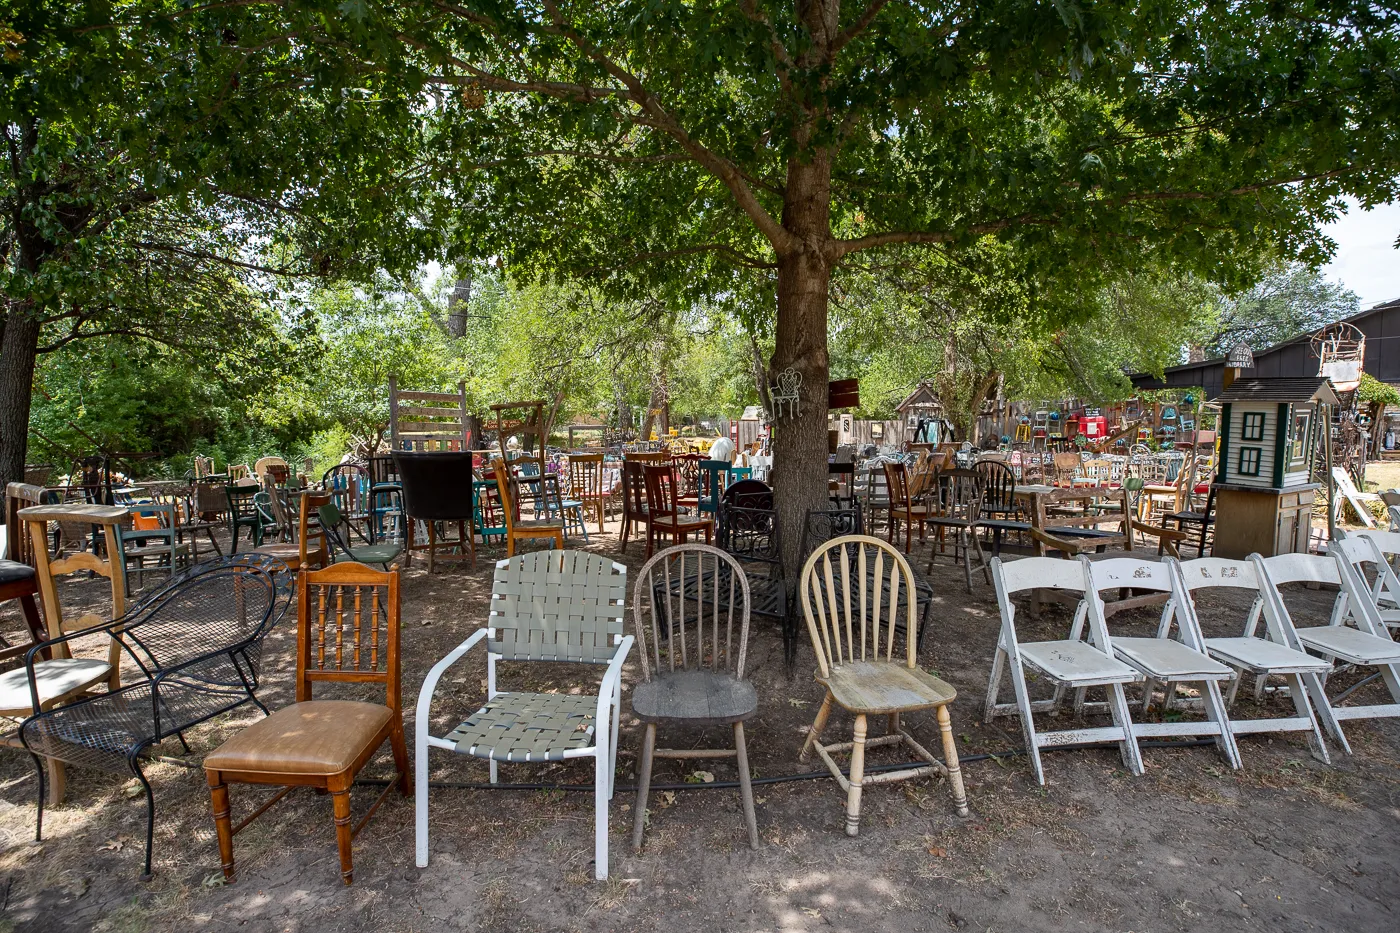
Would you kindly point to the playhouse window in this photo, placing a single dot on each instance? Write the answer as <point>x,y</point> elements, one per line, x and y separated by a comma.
<point>1249,461</point>
<point>1300,437</point>
<point>1253,426</point>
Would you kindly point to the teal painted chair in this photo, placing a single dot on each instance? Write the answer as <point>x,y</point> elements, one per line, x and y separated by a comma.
<point>336,528</point>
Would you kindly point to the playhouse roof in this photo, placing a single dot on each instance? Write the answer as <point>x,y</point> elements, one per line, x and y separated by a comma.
<point>1286,389</point>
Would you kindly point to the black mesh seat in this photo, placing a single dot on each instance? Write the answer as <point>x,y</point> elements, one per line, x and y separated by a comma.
<point>198,643</point>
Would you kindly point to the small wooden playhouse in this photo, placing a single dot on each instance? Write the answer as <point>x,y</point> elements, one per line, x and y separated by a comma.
<point>1269,430</point>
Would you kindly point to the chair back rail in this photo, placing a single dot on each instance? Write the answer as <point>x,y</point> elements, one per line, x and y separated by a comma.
<point>349,630</point>
<point>858,620</point>
<point>696,599</point>
<point>559,605</point>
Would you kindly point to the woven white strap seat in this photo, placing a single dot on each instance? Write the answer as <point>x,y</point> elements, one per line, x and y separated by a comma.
<point>528,727</point>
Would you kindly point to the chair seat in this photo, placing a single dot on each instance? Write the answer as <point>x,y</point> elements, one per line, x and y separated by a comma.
<point>1167,659</point>
<point>155,550</point>
<point>1191,518</point>
<point>1074,662</point>
<point>377,553</point>
<point>886,687</point>
<point>285,552</point>
<point>1259,655</point>
<point>1000,524</point>
<point>57,678</point>
<point>680,523</point>
<point>12,571</point>
<point>699,697</point>
<point>538,526</point>
<point>312,737</point>
<point>1349,644</point>
<point>528,727</point>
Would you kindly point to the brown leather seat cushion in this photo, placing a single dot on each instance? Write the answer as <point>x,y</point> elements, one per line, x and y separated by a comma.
<point>314,737</point>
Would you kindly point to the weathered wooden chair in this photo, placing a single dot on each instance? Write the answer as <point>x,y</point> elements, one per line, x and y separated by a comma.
<point>347,632</point>
<point>634,499</point>
<point>1261,656</point>
<point>1163,659</point>
<point>586,485</point>
<point>154,535</point>
<point>962,515</point>
<point>516,529</point>
<point>690,605</point>
<point>545,606</point>
<point>1071,663</point>
<point>854,640</point>
<point>665,517</point>
<point>309,551</point>
<point>904,505</point>
<point>1363,643</point>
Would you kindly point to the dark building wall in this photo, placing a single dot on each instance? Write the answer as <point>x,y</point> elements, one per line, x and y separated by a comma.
<point>1295,358</point>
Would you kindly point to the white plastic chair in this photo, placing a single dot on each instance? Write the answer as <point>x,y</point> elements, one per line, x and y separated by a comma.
<point>1260,655</point>
<point>1363,644</point>
<point>545,606</point>
<point>1163,658</point>
<point>1068,663</point>
<point>1385,591</point>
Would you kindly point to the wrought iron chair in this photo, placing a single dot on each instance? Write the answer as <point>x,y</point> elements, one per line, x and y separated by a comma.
<point>750,536</point>
<point>197,641</point>
<point>243,512</point>
<point>690,606</point>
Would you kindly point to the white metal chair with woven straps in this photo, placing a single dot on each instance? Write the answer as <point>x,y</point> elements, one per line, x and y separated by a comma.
<point>850,597</point>
<point>545,606</point>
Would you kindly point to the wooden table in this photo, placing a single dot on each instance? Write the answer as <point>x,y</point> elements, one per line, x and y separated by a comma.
<point>1039,499</point>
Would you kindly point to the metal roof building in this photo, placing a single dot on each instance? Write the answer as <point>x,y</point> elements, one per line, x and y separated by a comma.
<point>1295,358</point>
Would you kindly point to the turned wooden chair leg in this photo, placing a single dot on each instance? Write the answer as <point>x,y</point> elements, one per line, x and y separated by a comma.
<point>643,786</point>
<point>745,784</point>
<point>857,776</point>
<point>223,822</point>
<point>815,733</point>
<point>950,759</point>
<point>344,834</point>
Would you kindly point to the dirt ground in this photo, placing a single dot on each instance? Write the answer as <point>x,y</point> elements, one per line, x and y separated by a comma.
<point>1284,843</point>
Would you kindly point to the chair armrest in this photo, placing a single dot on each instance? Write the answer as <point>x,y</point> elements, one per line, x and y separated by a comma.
<point>425,694</point>
<point>612,680</point>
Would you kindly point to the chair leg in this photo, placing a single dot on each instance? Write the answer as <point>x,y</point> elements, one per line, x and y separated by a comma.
<point>815,733</point>
<point>223,821</point>
<point>340,803</point>
<point>150,817</point>
<point>643,786</point>
<point>857,776</point>
<point>745,784</point>
<point>400,749</point>
<point>600,812</point>
<point>432,545</point>
<point>950,760</point>
<point>408,524</point>
<point>966,557</point>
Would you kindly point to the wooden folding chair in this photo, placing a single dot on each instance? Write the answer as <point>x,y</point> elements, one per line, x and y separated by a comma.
<point>1067,663</point>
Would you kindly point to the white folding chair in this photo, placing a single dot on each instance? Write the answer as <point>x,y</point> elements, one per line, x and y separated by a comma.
<point>1182,659</point>
<point>1385,591</point>
<point>545,606</point>
<point>1260,655</point>
<point>1394,512</point>
<point>1363,644</point>
<point>1069,663</point>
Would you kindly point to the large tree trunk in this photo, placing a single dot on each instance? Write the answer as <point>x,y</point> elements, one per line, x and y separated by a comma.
<point>18,351</point>
<point>804,277</point>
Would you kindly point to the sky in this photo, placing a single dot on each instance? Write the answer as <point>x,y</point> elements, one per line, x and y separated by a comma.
<point>1366,260</point>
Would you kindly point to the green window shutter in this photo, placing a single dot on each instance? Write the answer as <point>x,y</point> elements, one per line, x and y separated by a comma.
<point>1281,443</point>
<point>1224,435</point>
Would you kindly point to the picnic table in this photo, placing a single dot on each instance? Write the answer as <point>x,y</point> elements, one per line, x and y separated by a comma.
<point>1075,533</point>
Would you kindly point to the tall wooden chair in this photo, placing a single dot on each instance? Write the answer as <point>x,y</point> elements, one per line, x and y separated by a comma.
<point>347,632</point>
<point>962,515</point>
<point>428,420</point>
<point>664,516</point>
<point>586,485</point>
<point>308,551</point>
<point>902,507</point>
<point>854,627</point>
<point>690,605</point>
<point>515,528</point>
<point>634,499</point>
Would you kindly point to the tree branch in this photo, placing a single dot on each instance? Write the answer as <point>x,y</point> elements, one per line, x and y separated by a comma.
<point>861,24</point>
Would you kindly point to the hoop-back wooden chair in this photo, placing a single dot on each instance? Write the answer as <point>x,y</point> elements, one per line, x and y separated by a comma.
<point>348,633</point>
<point>690,605</point>
<point>854,626</point>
